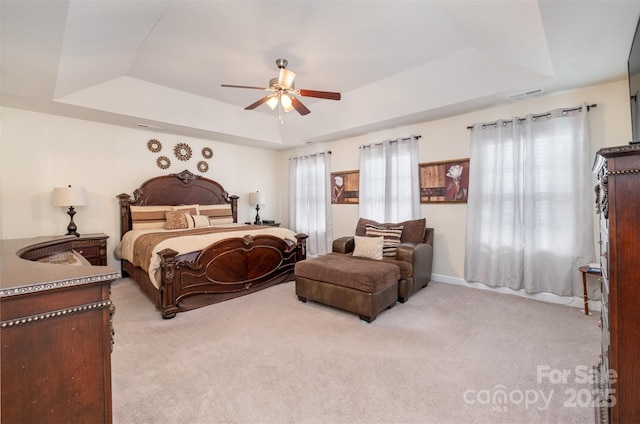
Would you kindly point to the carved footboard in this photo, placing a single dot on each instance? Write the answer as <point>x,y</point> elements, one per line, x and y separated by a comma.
<point>227,269</point>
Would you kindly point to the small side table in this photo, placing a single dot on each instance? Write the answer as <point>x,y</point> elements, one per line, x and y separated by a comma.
<point>586,270</point>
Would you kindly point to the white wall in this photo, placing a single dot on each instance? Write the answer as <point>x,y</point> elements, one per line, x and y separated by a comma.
<point>40,151</point>
<point>448,139</point>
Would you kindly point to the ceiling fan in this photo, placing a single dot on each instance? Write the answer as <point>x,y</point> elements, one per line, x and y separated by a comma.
<point>284,92</point>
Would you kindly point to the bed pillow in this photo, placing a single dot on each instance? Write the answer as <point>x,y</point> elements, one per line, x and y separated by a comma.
<point>190,209</point>
<point>197,221</point>
<point>368,247</point>
<point>176,220</point>
<point>391,236</point>
<point>148,217</point>
<point>218,214</point>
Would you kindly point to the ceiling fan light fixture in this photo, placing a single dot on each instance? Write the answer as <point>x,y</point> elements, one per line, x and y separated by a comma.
<point>272,102</point>
<point>284,93</point>
<point>286,102</point>
<point>286,77</point>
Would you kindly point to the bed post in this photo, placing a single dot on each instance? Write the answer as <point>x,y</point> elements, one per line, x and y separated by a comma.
<point>234,207</point>
<point>125,213</point>
<point>168,308</point>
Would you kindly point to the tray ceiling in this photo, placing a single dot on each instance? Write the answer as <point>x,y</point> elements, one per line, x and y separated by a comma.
<point>161,63</point>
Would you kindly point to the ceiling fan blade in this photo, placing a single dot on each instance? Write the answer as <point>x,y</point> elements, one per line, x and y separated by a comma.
<point>320,94</point>
<point>297,105</point>
<point>258,103</point>
<point>244,86</point>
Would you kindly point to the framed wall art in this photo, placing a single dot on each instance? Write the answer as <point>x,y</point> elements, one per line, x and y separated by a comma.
<point>444,182</point>
<point>345,187</point>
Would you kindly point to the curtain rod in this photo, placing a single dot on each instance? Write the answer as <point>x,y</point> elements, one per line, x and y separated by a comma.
<point>393,141</point>
<point>311,155</point>
<point>470,127</point>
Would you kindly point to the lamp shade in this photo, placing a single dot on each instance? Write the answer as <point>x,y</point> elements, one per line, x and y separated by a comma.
<point>69,196</point>
<point>287,103</point>
<point>272,102</point>
<point>285,78</point>
<point>257,198</point>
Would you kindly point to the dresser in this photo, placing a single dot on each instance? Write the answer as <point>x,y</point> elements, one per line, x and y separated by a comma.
<point>618,206</point>
<point>93,247</point>
<point>55,332</point>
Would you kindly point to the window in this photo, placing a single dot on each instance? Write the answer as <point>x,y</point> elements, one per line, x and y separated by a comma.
<point>389,180</point>
<point>529,214</point>
<point>310,200</point>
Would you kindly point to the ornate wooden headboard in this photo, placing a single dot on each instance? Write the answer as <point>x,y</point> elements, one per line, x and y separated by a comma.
<point>184,188</point>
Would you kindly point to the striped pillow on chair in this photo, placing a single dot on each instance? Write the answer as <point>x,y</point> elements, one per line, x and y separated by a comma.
<point>391,236</point>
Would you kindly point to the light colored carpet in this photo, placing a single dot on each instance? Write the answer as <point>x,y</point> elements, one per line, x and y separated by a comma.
<point>445,356</point>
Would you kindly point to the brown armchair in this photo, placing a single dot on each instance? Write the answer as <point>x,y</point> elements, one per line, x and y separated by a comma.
<point>414,254</point>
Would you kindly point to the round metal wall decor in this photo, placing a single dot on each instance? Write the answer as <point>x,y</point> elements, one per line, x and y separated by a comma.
<point>163,162</point>
<point>154,145</point>
<point>182,151</point>
<point>207,153</point>
<point>203,166</point>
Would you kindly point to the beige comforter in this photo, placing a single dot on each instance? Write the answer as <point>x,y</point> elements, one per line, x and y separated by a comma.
<point>134,249</point>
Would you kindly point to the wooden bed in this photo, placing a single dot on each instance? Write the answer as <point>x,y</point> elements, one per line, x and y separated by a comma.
<point>226,269</point>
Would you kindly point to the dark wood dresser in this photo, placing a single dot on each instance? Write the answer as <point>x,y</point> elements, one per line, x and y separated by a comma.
<point>618,205</point>
<point>93,247</point>
<point>55,333</point>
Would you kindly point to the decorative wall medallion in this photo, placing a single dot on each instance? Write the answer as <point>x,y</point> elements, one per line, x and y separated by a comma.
<point>203,166</point>
<point>207,153</point>
<point>182,151</point>
<point>163,162</point>
<point>154,145</point>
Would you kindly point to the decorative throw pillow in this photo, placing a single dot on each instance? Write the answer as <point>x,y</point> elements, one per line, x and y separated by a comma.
<point>368,247</point>
<point>197,221</point>
<point>176,220</point>
<point>391,236</point>
<point>413,229</point>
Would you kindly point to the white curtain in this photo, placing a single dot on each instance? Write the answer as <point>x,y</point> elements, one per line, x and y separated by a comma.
<point>389,180</point>
<point>310,200</point>
<point>530,207</point>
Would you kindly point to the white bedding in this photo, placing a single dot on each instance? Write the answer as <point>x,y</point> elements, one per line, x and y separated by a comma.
<point>189,244</point>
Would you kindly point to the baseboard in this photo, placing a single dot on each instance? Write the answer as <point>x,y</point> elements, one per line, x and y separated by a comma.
<point>574,301</point>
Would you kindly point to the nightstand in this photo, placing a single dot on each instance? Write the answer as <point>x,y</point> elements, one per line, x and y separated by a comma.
<point>93,247</point>
<point>270,224</point>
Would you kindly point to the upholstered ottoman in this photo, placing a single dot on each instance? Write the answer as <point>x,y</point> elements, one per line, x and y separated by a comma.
<point>364,287</point>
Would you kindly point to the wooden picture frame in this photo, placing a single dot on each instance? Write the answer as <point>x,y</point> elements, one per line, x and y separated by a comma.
<point>444,182</point>
<point>345,188</point>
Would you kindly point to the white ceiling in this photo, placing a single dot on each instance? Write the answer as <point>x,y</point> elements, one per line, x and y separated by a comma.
<point>161,63</point>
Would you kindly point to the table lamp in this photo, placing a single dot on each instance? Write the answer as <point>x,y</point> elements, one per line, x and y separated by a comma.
<point>257,199</point>
<point>70,197</point>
